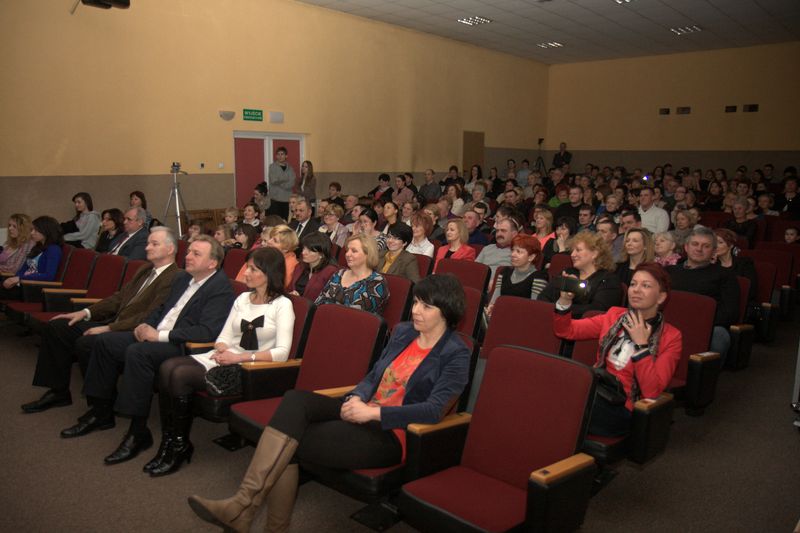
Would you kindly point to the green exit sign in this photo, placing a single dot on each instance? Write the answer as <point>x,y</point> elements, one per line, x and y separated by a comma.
<point>253,114</point>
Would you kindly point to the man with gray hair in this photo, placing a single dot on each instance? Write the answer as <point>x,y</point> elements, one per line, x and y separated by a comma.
<point>70,336</point>
<point>134,242</point>
<point>699,275</point>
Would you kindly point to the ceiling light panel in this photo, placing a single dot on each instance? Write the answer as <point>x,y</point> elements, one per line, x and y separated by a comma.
<point>474,21</point>
<point>685,30</point>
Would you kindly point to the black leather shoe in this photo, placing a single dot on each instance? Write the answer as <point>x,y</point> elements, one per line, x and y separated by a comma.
<point>130,447</point>
<point>87,425</point>
<point>50,399</point>
<point>178,451</point>
<point>166,442</point>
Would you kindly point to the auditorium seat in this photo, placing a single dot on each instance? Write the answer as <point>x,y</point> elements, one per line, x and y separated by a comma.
<point>398,306</point>
<point>341,345</point>
<point>425,264</point>
<point>180,254</point>
<point>234,261</point>
<point>520,468</point>
<point>784,266</point>
<point>470,273</point>
<point>559,263</point>
<point>742,334</point>
<point>473,312</point>
<point>766,312</point>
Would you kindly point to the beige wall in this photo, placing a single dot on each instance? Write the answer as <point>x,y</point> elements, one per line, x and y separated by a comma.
<point>613,105</point>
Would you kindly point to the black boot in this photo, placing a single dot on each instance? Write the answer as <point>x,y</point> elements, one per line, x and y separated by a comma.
<point>180,448</point>
<point>165,409</point>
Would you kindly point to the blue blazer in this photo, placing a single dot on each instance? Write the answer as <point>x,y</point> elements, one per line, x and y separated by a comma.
<point>203,316</point>
<point>433,386</point>
<point>135,247</point>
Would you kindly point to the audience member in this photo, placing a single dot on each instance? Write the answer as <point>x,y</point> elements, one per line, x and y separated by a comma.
<point>395,259</point>
<point>653,217</point>
<point>638,248</point>
<point>284,239</point>
<point>281,179</point>
<point>472,221</point>
<point>402,193</point>
<point>306,184</point>
<point>18,244</point>
<point>665,248</point>
<point>315,268</point>
<point>112,225</point>
<point>70,336</point>
<point>421,227</point>
<point>138,199</point>
<point>740,224</point>
<point>609,230</point>
<point>456,248</point>
<point>524,278</point>
<point>303,224</point>
<point>566,227</point>
<point>83,229</point>
<point>499,254</point>
<point>335,231</point>
<point>41,263</point>
<point>132,244</point>
<point>430,191</point>
<point>383,190</point>
<point>727,256</point>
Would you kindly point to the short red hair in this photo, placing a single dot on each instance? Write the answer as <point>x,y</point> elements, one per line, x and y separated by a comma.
<point>530,244</point>
<point>659,274</point>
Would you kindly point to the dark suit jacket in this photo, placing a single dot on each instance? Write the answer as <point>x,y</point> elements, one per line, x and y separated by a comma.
<point>432,388</point>
<point>312,224</point>
<point>405,266</point>
<point>135,247</point>
<point>203,316</point>
<point>120,316</point>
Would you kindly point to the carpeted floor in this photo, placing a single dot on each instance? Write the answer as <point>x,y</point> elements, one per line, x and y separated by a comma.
<point>735,469</point>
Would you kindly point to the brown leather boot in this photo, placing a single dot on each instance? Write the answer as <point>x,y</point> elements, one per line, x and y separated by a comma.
<point>273,453</point>
<point>280,501</point>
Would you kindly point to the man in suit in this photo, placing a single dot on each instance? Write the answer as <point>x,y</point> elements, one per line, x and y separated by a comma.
<point>195,310</point>
<point>303,224</point>
<point>133,244</point>
<point>71,336</point>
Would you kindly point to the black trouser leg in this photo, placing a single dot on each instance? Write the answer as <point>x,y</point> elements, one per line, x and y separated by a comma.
<point>142,361</point>
<point>325,439</point>
<point>276,207</point>
<point>106,363</point>
<point>56,353</point>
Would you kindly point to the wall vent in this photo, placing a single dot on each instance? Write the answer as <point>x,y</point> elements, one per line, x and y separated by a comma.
<point>663,111</point>
<point>683,110</point>
<point>750,108</point>
<point>730,108</point>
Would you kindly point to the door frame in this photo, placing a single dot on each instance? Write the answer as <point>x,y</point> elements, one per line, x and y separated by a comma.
<point>267,137</point>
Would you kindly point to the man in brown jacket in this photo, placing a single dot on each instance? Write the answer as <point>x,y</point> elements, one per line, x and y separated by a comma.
<point>71,335</point>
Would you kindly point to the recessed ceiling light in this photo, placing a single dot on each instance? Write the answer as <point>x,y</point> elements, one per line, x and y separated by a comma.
<point>622,2</point>
<point>474,21</point>
<point>551,44</point>
<point>686,29</point>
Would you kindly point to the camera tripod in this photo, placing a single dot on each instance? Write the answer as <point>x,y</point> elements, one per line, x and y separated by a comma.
<point>175,195</point>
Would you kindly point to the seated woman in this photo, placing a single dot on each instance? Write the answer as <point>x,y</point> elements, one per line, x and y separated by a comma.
<point>42,261</point>
<point>638,349</point>
<point>395,260</point>
<point>727,257</point>
<point>284,239</point>
<point>593,265</point>
<point>358,285</point>
<point>137,199</point>
<point>367,222</point>
<point>684,222</point>
<point>457,237</point>
<point>82,230</point>
<point>566,227</point>
<point>194,230</point>
<point>246,237</point>
<point>665,249</point>
<point>315,268</point>
<point>251,214</point>
<point>421,228</point>
<point>113,230</point>
<point>18,244</point>
<point>391,215</point>
<point>337,233</point>
<point>259,328</point>
<point>421,372</point>
<point>524,277</point>
<point>741,225</point>
<point>637,248</point>
<point>543,226</point>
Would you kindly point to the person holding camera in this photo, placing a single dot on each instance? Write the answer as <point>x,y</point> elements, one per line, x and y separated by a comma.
<point>638,351</point>
<point>592,278</point>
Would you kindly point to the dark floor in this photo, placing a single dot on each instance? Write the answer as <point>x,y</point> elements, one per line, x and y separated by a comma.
<point>735,469</point>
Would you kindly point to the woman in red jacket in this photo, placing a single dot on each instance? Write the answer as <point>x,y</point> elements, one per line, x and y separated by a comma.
<point>457,237</point>
<point>638,352</point>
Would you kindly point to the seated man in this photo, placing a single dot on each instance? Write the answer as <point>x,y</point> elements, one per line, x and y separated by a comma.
<point>133,244</point>
<point>195,310</point>
<point>473,222</point>
<point>699,275</point>
<point>71,336</point>
<point>499,254</point>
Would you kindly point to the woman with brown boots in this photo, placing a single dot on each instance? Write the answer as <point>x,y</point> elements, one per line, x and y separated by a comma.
<point>421,371</point>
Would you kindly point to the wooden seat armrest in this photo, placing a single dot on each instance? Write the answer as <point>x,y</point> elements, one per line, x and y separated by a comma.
<point>65,291</point>
<point>648,404</point>
<point>198,345</point>
<point>561,469</point>
<point>335,392</point>
<point>87,301</point>
<point>702,357</point>
<point>742,327</point>
<point>260,365</point>
<point>456,419</point>
<point>34,283</point>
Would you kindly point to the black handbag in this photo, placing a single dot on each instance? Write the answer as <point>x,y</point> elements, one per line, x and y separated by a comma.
<point>224,380</point>
<point>609,388</point>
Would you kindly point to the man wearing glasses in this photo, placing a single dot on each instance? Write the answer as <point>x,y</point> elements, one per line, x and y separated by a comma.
<point>133,244</point>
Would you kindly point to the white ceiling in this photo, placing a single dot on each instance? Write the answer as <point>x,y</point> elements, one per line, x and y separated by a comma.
<point>589,29</point>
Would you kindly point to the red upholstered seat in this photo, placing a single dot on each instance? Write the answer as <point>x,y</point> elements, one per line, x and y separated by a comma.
<point>489,490</point>
<point>473,311</point>
<point>558,264</point>
<point>131,268</point>
<point>180,255</point>
<point>521,322</point>
<point>398,306</point>
<point>470,273</point>
<point>233,262</point>
<point>424,263</point>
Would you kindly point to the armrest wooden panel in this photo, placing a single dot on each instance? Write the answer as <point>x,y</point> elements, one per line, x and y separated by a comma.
<point>258,365</point>
<point>86,301</point>
<point>34,283</point>
<point>648,404</point>
<point>561,469</point>
<point>704,356</point>
<point>336,392</point>
<point>198,345</point>
<point>742,327</point>
<point>456,419</point>
<point>65,291</point>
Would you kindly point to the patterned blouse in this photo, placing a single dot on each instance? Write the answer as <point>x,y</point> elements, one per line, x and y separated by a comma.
<point>392,388</point>
<point>369,294</point>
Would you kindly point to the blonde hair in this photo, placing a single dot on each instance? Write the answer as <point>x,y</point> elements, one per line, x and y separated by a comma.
<point>595,243</point>
<point>232,211</point>
<point>24,227</point>
<point>334,209</point>
<point>649,245</point>
<point>463,233</point>
<point>286,236</point>
<point>370,247</point>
